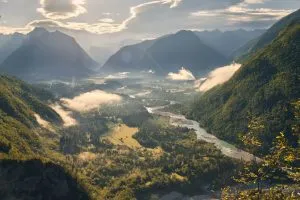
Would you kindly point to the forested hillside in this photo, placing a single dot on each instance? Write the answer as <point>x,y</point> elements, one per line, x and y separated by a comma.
<point>265,87</point>
<point>18,104</point>
<point>21,140</point>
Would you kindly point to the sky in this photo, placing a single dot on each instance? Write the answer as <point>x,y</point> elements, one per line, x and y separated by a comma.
<point>105,22</point>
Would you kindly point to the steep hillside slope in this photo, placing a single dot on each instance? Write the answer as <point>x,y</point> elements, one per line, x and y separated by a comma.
<point>37,180</point>
<point>18,104</point>
<point>264,87</point>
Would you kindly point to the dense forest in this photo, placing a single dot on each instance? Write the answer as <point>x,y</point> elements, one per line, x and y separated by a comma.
<point>266,86</point>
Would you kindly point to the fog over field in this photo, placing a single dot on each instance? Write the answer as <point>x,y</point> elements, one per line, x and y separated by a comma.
<point>90,100</point>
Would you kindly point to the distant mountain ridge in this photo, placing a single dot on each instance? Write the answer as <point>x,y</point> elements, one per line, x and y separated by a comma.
<point>9,43</point>
<point>227,42</point>
<point>167,54</point>
<point>265,39</point>
<point>48,55</point>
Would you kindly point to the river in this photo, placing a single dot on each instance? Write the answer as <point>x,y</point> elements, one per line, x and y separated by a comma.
<point>181,121</point>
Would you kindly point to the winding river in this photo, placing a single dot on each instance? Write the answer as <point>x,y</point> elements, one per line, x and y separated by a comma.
<point>181,121</point>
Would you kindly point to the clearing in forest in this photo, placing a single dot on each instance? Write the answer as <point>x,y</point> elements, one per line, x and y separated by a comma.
<point>122,135</point>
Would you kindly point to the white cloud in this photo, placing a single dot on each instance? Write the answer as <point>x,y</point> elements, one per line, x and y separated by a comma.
<point>62,9</point>
<point>217,77</point>
<point>43,123</point>
<point>107,20</point>
<point>90,100</point>
<point>182,75</point>
<point>241,12</point>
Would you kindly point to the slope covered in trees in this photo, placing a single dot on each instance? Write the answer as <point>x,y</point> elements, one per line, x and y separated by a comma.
<point>18,104</point>
<point>264,87</point>
<point>47,176</point>
<point>38,180</point>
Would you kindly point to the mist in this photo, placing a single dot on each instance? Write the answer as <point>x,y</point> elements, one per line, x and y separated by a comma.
<point>182,75</point>
<point>90,100</point>
<point>217,77</point>
<point>43,123</point>
<point>65,115</point>
<point>120,75</point>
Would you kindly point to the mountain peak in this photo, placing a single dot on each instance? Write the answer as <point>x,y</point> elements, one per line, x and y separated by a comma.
<point>39,30</point>
<point>46,55</point>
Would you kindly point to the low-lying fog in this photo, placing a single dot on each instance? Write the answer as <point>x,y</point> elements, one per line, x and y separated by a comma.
<point>90,100</point>
<point>65,115</point>
<point>217,77</point>
<point>182,75</point>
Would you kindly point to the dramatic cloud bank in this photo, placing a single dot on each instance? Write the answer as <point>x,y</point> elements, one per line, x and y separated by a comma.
<point>65,115</point>
<point>182,75</point>
<point>91,100</point>
<point>217,77</point>
<point>134,16</point>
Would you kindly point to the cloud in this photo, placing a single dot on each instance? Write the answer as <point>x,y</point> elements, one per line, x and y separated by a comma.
<point>241,13</point>
<point>65,115</point>
<point>136,18</point>
<point>43,123</point>
<point>182,75</point>
<point>56,11</point>
<point>217,77</point>
<point>120,75</point>
<point>106,20</point>
<point>61,9</point>
<point>90,100</point>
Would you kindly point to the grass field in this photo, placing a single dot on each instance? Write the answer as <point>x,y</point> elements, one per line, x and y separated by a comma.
<point>122,135</point>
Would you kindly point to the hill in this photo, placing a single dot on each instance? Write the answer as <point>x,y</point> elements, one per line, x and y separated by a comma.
<point>264,87</point>
<point>167,54</point>
<point>37,180</point>
<point>48,55</point>
<point>21,141</point>
<point>19,102</point>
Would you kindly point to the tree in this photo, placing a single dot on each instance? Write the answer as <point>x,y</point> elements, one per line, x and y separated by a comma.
<point>280,164</point>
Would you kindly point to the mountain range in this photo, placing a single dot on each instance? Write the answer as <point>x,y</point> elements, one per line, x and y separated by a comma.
<point>46,55</point>
<point>167,54</point>
<point>199,52</point>
<point>228,42</point>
